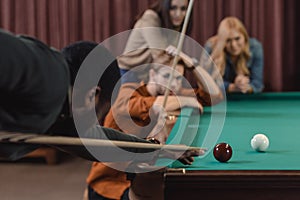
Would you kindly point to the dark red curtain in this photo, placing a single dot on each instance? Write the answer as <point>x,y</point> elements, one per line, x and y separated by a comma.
<point>60,22</point>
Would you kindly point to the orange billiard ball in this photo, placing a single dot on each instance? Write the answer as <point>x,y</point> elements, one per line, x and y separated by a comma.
<point>222,152</point>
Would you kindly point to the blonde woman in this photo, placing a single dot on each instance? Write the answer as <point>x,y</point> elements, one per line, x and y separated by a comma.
<point>238,58</point>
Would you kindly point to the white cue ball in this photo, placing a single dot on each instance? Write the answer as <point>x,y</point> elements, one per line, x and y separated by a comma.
<point>260,142</point>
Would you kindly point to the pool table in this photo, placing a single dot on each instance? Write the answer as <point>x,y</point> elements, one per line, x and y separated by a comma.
<point>274,174</point>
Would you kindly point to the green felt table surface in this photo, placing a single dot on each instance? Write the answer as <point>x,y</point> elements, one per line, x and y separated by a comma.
<point>277,115</point>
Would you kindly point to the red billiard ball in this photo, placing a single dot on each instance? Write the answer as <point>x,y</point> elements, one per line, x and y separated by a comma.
<point>222,152</point>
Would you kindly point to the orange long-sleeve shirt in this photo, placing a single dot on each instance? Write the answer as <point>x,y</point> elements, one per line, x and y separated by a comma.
<point>129,114</point>
<point>104,180</point>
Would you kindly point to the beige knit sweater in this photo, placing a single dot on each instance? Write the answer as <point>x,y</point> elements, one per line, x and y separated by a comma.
<point>147,42</point>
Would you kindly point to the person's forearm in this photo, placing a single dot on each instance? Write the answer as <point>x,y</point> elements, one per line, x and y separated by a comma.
<point>113,154</point>
<point>99,132</point>
<point>206,81</point>
<point>202,77</point>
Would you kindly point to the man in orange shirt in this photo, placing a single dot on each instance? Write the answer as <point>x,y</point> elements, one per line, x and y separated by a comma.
<point>132,111</point>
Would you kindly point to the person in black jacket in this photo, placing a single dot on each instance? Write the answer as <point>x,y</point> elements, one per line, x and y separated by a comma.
<point>34,84</point>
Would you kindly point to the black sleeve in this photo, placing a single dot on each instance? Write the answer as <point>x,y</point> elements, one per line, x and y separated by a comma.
<point>111,154</point>
<point>34,81</point>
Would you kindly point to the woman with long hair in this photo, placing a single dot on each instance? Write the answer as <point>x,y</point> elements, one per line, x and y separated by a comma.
<point>153,31</point>
<point>239,59</point>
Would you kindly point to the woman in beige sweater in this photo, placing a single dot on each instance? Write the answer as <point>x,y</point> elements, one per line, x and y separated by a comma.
<point>154,30</point>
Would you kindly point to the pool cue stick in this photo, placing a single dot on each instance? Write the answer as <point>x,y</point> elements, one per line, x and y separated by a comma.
<point>178,50</point>
<point>175,61</point>
<point>30,138</point>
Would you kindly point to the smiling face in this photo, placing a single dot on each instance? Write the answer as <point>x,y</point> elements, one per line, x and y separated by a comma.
<point>178,11</point>
<point>235,43</point>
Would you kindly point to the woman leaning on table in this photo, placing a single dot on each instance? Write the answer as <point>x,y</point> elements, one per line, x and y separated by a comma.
<point>239,58</point>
